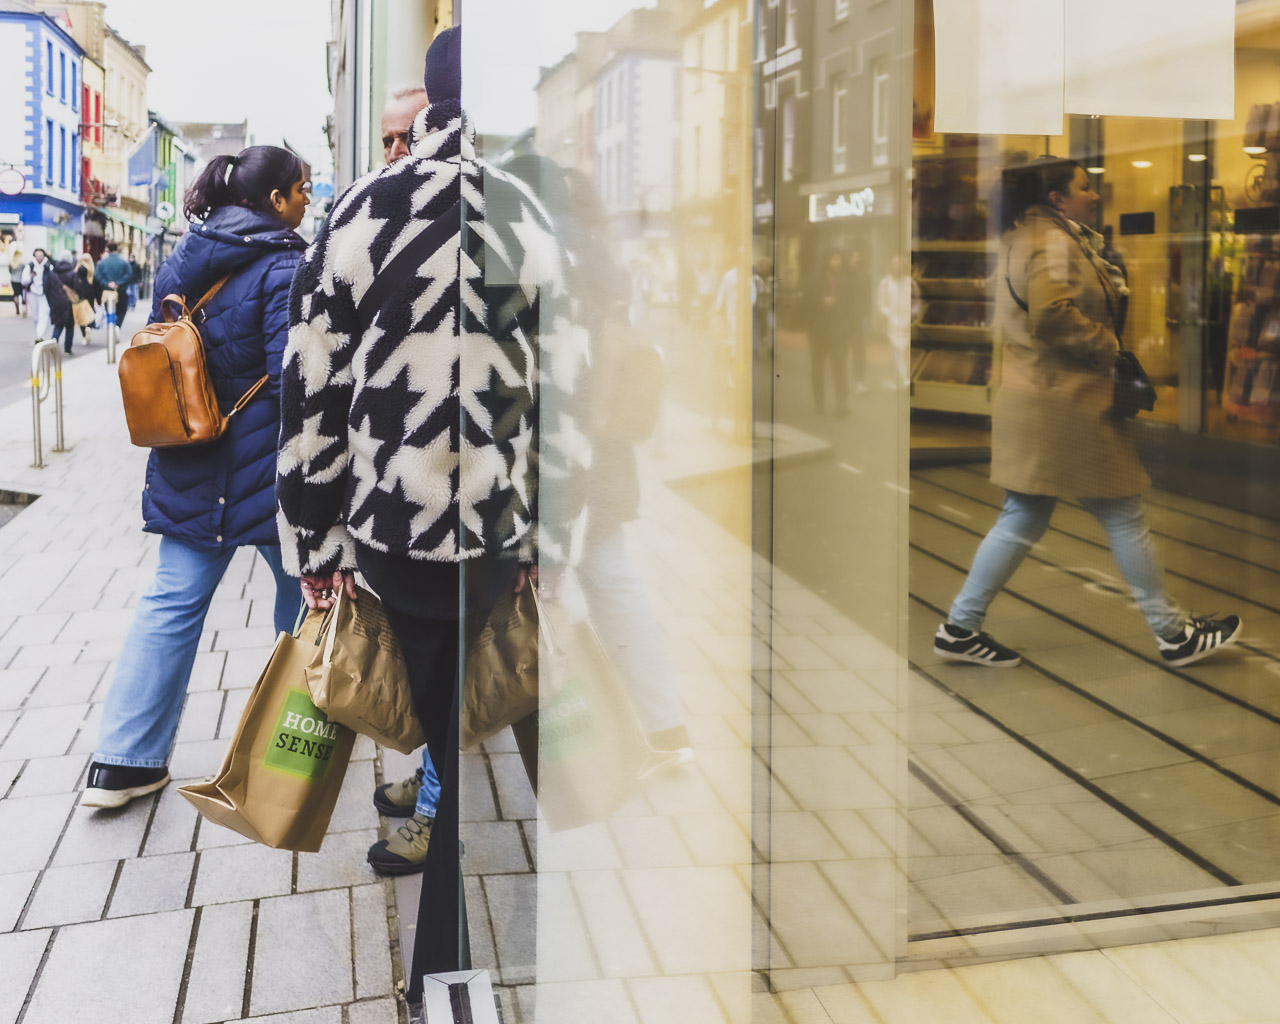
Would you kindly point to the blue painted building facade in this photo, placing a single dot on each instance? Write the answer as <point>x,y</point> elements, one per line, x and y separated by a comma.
<point>40,96</point>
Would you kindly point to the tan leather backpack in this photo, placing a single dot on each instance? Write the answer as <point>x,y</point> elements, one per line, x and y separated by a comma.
<point>168,397</point>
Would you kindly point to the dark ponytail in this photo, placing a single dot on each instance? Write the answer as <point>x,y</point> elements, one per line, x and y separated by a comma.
<point>1030,185</point>
<point>244,180</point>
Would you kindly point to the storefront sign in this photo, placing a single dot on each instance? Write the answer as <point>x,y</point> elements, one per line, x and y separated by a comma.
<point>782,61</point>
<point>12,181</point>
<point>839,205</point>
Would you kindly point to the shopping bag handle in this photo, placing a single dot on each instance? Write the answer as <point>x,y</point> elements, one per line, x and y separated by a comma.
<point>544,627</point>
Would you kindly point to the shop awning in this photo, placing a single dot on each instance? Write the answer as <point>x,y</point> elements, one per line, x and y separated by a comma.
<point>128,221</point>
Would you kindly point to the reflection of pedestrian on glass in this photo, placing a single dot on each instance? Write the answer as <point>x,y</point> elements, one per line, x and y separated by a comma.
<point>1054,432</point>
<point>829,309</point>
<point>898,301</point>
<point>859,314</point>
<point>617,407</point>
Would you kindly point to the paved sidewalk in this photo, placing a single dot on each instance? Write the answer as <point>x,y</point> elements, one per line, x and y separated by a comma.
<point>148,914</point>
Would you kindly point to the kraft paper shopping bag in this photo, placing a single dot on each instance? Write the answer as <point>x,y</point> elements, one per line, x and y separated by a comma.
<point>357,676</point>
<point>592,753</point>
<point>500,680</point>
<point>283,771</point>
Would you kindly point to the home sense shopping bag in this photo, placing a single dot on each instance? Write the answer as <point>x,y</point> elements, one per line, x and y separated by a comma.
<point>281,776</point>
<point>357,675</point>
<point>592,753</point>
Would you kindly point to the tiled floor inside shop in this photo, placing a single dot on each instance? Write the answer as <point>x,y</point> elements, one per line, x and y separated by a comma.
<point>1092,775</point>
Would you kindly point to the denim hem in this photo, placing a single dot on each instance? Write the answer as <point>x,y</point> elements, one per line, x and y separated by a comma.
<point>129,762</point>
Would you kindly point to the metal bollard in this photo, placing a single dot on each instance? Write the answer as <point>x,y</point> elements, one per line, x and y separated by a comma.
<point>113,329</point>
<point>46,376</point>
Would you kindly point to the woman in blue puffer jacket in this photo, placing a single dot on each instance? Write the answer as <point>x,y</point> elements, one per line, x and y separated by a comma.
<point>208,500</point>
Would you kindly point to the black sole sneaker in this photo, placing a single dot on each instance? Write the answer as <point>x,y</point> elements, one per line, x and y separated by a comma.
<point>113,785</point>
<point>956,644</point>
<point>398,799</point>
<point>1200,638</point>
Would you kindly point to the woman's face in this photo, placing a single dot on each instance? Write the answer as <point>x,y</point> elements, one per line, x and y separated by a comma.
<point>293,207</point>
<point>1079,200</point>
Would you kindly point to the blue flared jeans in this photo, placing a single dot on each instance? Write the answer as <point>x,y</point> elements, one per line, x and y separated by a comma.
<point>1022,523</point>
<point>140,719</point>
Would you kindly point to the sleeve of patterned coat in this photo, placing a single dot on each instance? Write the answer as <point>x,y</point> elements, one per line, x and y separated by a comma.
<point>315,399</point>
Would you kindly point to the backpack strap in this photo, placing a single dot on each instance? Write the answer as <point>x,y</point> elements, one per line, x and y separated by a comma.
<point>406,262</point>
<point>244,399</point>
<point>209,295</point>
<point>177,300</point>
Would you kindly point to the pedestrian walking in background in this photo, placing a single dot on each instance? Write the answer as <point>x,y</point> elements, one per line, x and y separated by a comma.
<point>92,296</point>
<point>16,266</point>
<point>859,317</point>
<point>206,501</point>
<point>78,293</point>
<point>830,311</point>
<point>898,301</point>
<point>1054,433</point>
<point>412,446</point>
<point>114,274</point>
<point>134,288</point>
<point>44,293</point>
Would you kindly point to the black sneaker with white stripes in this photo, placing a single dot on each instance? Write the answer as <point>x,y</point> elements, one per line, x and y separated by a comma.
<point>956,644</point>
<point>1199,638</point>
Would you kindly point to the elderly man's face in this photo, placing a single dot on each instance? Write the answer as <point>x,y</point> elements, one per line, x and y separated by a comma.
<point>397,116</point>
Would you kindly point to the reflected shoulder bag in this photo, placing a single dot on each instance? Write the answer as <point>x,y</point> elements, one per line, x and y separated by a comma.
<point>1131,389</point>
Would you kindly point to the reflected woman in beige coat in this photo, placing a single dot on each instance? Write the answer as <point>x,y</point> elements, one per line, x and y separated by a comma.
<point>1059,317</point>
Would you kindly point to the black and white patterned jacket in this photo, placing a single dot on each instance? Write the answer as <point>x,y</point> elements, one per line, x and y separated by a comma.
<point>436,431</point>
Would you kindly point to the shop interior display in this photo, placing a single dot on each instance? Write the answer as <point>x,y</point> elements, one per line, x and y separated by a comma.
<point>954,264</point>
<point>1248,375</point>
<point>1251,389</point>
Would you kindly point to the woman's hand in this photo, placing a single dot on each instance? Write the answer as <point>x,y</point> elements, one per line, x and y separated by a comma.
<point>319,591</point>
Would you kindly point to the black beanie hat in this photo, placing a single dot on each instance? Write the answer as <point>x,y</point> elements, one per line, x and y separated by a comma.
<point>443,76</point>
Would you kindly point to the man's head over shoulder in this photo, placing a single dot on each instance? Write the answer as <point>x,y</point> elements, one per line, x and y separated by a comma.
<point>402,107</point>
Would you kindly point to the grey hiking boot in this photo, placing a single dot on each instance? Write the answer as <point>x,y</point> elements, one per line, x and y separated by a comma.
<point>398,799</point>
<point>405,852</point>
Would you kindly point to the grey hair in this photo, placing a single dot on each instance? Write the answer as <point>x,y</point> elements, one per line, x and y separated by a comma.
<point>408,89</point>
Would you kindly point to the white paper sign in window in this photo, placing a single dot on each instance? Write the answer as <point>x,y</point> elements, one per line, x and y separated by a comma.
<point>1151,58</point>
<point>999,66</point>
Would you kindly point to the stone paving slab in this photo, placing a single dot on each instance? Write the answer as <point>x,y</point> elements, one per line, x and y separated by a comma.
<point>145,913</point>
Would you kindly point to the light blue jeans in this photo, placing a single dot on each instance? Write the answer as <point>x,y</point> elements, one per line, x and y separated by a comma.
<point>429,793</point>
<point>1022,523</point>
<point>140,719</point>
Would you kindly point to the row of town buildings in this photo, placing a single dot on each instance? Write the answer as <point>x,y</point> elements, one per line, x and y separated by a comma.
<point>698,117</point>
<point>83,161</point>
<point>711,128</point>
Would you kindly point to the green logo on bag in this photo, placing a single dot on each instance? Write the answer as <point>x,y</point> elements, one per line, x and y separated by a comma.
<point>565,724</point>
<point>303,740</point>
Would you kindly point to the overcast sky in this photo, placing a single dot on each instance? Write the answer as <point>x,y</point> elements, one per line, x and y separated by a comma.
<point>265,60</point>
<point>515,37</point>
<point>225,61</point>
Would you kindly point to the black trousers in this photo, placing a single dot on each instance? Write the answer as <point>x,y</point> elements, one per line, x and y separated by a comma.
<point>423,604</point>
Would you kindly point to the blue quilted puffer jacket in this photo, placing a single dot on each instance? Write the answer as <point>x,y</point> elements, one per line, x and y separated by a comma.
<point>222,494</point>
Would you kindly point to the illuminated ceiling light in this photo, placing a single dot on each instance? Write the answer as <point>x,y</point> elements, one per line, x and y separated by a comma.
<point>1095,170</point>
<point>1255,150</point>
<point>1141,164</point>
<point>1197,158</point>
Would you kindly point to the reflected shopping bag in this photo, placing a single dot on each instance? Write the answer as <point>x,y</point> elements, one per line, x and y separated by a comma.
<point>592,753</point>
<point>281,776</point>
<point>357,676</point>
<point>500,683</point>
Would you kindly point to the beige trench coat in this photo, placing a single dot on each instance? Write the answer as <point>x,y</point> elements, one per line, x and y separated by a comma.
<point>1051,429</point>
